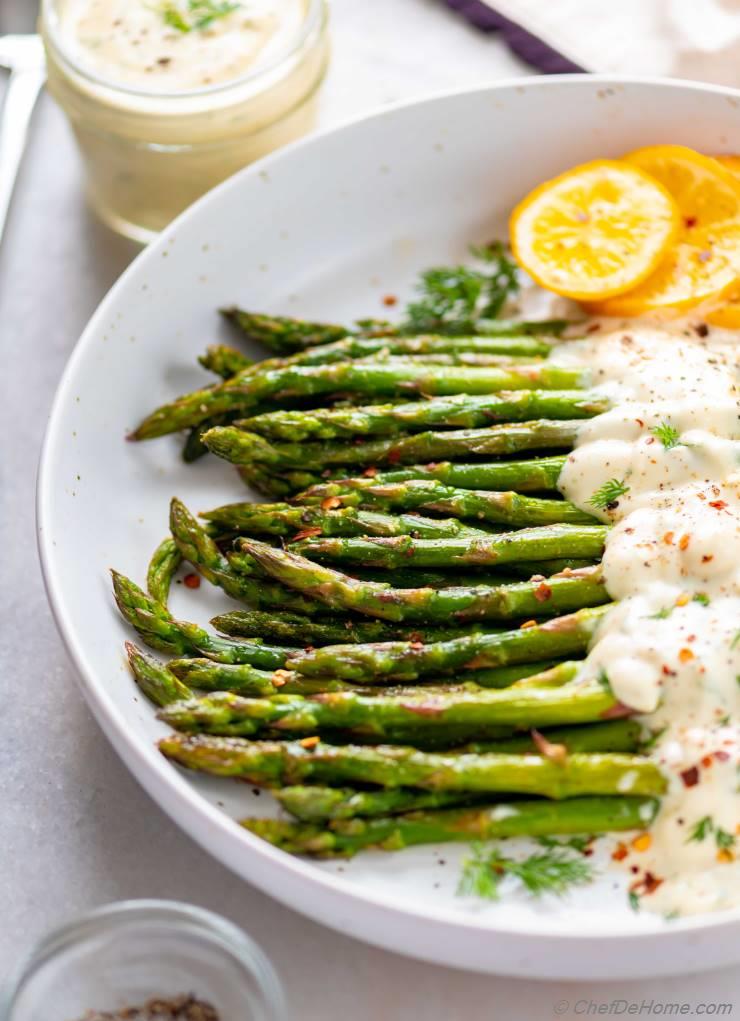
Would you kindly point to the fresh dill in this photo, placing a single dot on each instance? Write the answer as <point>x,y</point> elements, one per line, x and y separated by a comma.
<point>735,640</point>
<point>702,598</point>
<point>663,613</point>
<point>705,827</point>
<point>199,14</point>
<point>634,900</point>
<point>701,830</point>
<point>554,870</point>
<point>668,435</point>
<point>452,299</point>
<point>607,496</point>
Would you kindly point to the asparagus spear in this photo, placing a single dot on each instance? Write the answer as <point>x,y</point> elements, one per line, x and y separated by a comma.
<point>320,804</point>
<point>406,661</point>
<point>462,411</point>
<point>507,508</point>
<point>285,520</point>
<point>397,551</point>
<point>345,838</point>
<point>414,577</point>
<point>157,682</point>
<point>199,549</point>
<point>281,333</point>
<point>383,715</point>
<point>291,762</point>
<point>621,735</point>
<point>162,567</point>
<point>241,447</point>
<point>296,629</point>
<point>538,474</point>
<point>159,630</point>
<point>376,599</point>
<point>248,681</point>
<point>245,390</point>
<point>224,361</point>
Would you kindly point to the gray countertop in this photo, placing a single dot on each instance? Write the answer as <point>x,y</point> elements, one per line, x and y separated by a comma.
<point>76,829</point>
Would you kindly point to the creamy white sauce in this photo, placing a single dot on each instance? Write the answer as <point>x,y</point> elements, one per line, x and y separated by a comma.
<point>671,645</point>
<point>130,42</point>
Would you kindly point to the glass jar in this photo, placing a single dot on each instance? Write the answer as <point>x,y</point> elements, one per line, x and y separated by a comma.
<point>149,154</point>
<point>128,954</point>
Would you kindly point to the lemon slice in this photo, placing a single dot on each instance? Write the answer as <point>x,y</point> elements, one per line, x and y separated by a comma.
<point>704,261</point>
<point>595,231</point>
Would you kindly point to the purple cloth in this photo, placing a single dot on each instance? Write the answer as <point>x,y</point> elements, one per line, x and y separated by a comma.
<point>527,46</point>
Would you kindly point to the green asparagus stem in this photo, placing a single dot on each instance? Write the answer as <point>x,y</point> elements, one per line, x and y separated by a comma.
<point>156,681</point>
<point>159,630</point>
<point>622,735</point>
<point>285,763</point>
<point>285,520</point>
<point>345,838</point>
<point>241,447</point>
<point>383,715</point>
<point>461,412</point>
<point>248,681</point>
<point>281,333</point>
<point>224,361</point>
<point>162,567</point>
<point>375,599</point>
<point>199,549</point>
<point>245,390</point>
<point>321,804</point>
<point>407,661</point>
<point>296,629</point>
<point>512,509</point>
<point>397,551</point>
<point>539,474</point>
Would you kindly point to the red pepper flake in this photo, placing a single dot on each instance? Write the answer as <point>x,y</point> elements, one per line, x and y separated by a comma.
<point>707,761</point>
<point>620,852</point>
<point>416,645</point>
<point>642,842</point>
<point>690,776</point>
<point>685,655</point>
<point>280,677</point>
<point>668,538</point>
<point>689,221</point>
<point>306,533</point>
<point>554,752</point>
<point>309,742</point>
<point>192,580</point>
<point>527,624</point>
<point>394,456</point>
<point>725,856</point>
<point>370,472</point>
<point>640,423</point>
<point>331,503</point>
<point>721,756</point>
<point>707,558</point>
<point>650,882</point>
<point>683,542</point>
<point>593,328</point>
<point>390,300</point>
<point>718,504</point>
<point>543,592</point>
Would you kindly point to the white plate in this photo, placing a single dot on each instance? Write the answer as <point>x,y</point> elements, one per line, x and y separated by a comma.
<point>326,229</point>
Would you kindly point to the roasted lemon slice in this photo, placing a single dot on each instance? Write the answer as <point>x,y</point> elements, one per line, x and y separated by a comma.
<point>595,231</point>
<point>704,261</point>
<point>727,313</point>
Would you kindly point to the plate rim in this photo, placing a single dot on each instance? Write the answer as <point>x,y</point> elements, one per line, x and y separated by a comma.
<point>169,786</point>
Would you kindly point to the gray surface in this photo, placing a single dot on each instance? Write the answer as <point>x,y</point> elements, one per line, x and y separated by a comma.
<point>76,829</point>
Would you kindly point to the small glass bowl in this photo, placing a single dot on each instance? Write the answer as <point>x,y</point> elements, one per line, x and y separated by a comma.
<point>149,155</point>
<point>129,953</point>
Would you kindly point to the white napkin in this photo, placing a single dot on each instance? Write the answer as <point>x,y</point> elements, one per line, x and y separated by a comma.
<point>696,39</point>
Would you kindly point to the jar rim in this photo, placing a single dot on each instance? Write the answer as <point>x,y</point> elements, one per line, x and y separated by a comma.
<point>234,940</point>
<point>316,13</point>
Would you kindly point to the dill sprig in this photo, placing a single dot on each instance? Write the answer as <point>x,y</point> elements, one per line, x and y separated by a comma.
<point>198,15</point>
<point>452,299</point>
<point>668,435</point>
<point>707,826</point>
<point>607,496</point>
<point>554,870</point>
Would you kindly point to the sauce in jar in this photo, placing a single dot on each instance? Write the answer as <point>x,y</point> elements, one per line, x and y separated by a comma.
<point>169,97</point>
